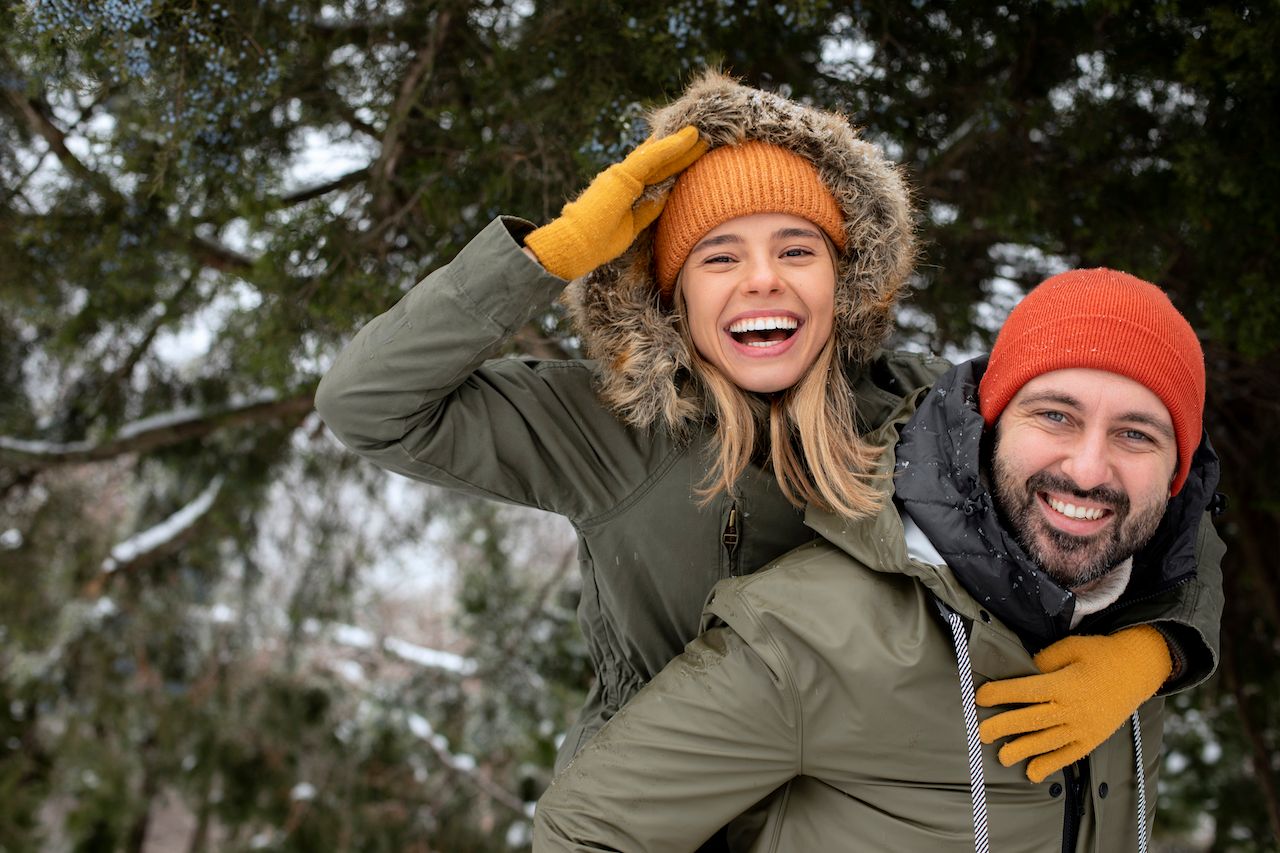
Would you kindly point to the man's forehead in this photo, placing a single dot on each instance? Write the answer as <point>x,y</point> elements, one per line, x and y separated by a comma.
<point>1097,392</point>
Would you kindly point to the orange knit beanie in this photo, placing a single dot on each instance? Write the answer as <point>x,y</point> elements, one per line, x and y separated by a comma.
<point>1104,320</point>
<point>739,180</point>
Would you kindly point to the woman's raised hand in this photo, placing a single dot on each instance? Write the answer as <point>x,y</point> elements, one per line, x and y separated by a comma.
<point>600,224</point>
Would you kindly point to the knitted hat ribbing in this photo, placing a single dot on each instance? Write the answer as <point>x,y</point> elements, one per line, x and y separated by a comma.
<point>1105,320</point>
<point>739,180</point>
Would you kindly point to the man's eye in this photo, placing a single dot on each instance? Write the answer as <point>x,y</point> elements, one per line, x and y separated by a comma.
<point>1136,435</point>
<point>1056,417</point>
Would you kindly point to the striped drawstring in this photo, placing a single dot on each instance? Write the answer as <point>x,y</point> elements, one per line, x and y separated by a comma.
<point>977,781</point>
<point>1141,779</point>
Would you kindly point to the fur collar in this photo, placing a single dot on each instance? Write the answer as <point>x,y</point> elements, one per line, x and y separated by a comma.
<point>643,364</point>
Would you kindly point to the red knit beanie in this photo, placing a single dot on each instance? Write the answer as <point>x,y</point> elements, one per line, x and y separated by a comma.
<point>1104,320</point>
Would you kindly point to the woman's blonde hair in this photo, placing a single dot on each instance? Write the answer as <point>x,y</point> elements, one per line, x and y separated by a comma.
<point>815,451</point>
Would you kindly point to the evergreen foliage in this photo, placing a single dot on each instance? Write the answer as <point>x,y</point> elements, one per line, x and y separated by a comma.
<point>174,280</point>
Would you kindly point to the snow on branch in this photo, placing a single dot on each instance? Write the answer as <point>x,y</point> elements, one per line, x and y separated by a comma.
<point>430,658</point>
<point>151,433</point>
<point>463,765</point>
<point>153,539</point>
<point>355,637</point>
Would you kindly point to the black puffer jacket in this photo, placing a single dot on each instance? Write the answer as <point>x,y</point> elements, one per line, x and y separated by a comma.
<point>1177,578</point>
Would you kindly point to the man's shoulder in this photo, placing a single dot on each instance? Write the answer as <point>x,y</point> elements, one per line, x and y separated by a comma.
<point>815,585</point>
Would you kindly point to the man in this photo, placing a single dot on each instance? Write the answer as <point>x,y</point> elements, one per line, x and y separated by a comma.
<point>1056,490</point>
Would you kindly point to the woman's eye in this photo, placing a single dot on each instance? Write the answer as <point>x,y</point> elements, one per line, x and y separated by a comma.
<point>718,259</point>
<point>798,252</point>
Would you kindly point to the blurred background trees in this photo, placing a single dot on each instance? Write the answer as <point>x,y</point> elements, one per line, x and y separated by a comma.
<point>219,631</point>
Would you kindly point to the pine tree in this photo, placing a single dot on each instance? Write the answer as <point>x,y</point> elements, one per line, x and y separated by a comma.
<point>185,555</point>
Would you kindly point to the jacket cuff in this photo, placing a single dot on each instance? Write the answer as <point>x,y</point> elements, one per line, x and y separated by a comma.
<point>1178,656</point>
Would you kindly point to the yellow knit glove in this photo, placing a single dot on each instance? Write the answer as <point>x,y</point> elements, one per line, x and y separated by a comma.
<point>1088,687</point>
<point>600,224</point>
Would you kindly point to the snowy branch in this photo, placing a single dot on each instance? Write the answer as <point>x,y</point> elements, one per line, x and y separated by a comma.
<point>360,638</point>
<point>151,433</point>
<point>463,765</point>
<point>165,536</point>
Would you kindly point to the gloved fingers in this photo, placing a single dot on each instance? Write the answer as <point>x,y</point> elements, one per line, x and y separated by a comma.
<point>683,162</point>
<point>1032,718</point>
<point>1036,743</point>
<point>646,212</point>
<point>1137,656</point>
<point>614,187</point>
<point>656,160</point>
<point>1042,766</point>
<point>1020,691</point>
<point>1067,651</point>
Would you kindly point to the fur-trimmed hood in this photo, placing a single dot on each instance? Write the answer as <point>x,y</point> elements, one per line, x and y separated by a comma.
<point>626,326</point>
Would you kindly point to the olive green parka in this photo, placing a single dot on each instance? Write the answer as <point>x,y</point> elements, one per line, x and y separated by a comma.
<point>416,392</point>
<point>619,445</point>
<point>829,689</point>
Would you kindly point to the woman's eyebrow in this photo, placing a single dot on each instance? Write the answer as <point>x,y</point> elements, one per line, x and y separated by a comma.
<point>718,240</point>
<point>788,233</point>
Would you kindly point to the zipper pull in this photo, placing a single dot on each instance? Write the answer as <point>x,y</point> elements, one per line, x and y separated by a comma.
<point>730,537</point>
<point>1080,783</point>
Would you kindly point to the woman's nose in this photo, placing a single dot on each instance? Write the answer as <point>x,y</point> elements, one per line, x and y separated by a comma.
<point>761,277</point>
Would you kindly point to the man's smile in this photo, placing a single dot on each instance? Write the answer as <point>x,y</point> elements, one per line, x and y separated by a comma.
<point>1074,515</point>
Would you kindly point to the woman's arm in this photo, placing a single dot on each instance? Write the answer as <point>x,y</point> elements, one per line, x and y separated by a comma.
<point>413,391</point>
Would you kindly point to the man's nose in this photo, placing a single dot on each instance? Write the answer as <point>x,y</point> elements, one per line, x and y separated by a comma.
<point>1088,461</point>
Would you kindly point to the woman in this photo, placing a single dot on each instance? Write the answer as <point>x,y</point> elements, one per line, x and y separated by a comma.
<point>679,458</point>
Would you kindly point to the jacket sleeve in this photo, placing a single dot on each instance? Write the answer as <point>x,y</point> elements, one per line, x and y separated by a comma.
<point>414,393</point>
<point>1193,636</point>
<point>709,737</point>
<point>1189,615</point>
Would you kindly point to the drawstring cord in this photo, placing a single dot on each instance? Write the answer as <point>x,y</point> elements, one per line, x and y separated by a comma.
<point>1141,779</point>
<point>977,780</point>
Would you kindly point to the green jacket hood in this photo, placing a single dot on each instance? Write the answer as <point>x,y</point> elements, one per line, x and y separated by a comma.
<point>940,485</point>
<point>632,333</point>
<point>879,543</point>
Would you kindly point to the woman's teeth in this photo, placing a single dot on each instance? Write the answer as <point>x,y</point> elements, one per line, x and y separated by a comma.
<point>761,324</point>
<point>763,331</point>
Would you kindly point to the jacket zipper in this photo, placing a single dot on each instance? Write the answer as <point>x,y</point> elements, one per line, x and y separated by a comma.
<point>1077,778</point>
<point>730,538</point>
<point>1120,606</point>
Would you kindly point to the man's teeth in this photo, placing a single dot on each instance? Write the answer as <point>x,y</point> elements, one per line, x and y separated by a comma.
<point>1073,511</point>
<point>763,324</point>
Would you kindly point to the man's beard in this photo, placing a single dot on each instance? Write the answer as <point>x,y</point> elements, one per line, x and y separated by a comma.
<point>1072,560</point>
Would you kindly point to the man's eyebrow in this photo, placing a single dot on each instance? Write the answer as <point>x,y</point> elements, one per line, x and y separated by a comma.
<point>1067,401</point>
<point>1058,397</point>
<point>1149,421</point>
